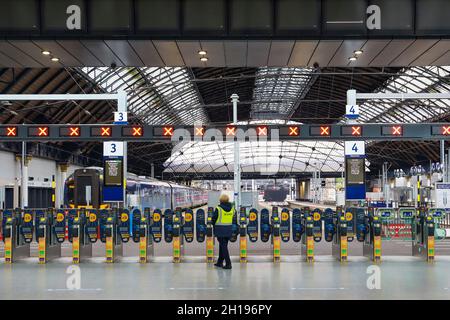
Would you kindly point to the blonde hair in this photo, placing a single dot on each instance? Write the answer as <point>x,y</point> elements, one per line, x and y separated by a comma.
<point>224,198</point>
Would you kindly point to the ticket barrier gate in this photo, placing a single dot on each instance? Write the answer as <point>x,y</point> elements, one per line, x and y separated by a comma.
<point>438,215</point>
<point>141,226</point>
<point>243,222</point>
<point>341,238</point>
<point>18,232</point>
<point>48,245</point>
<point>312,221</point>
<point>116,232</point>
<point>406,218</point>
<point>372,243</point>
<point>83,232</point>
<point>177,242</point>
<point>423,240</point>
<point>209,236</point>
<point>276,235</point>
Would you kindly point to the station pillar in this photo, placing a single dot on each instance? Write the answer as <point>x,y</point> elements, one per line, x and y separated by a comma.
<point>23,168</point>
<point>61,176</point>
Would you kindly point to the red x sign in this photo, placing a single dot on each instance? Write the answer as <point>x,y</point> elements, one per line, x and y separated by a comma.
<point>231,131</point>
<point>446,130</point>
<point>106,131</point>
<point>43,131</point>
<point>168,131</point>
<point>293,131</point>
<point>262,131</point>
<point>11,131</point>
<point>199,131</point>
<point>356,131</point>
<point>397,130</point>
<point>324,131</point>
<point>137,131</point>
<point>74,131</point>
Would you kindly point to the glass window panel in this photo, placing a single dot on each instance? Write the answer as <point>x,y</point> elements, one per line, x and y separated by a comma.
<point>18,15</point>
<point>204,15</point>
<point>344,16</point>
<point>55,14</point>
<point>159,15</point>
<point>298,15</point>
<point>251,15</point>
<point>433,15</point>
<point>396,15</point>
<point>110,15</point>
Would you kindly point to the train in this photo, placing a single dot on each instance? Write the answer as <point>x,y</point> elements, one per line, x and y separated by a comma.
<point>275,193</point>
<point>83,189</point>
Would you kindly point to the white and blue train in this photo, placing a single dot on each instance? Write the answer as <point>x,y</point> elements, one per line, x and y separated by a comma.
<point>83,189</point>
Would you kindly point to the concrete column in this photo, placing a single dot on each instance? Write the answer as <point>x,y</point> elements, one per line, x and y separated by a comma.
<point>17,179</point>
<point>61,176</point>
<point>24,184</point>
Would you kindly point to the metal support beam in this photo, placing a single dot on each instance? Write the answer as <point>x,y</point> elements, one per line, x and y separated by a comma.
<point>237,163</point>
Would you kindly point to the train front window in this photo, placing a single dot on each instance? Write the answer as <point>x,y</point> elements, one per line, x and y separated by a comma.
<point>84,191</point>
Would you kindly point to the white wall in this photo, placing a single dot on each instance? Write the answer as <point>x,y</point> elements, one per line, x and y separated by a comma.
<point>39,169</point>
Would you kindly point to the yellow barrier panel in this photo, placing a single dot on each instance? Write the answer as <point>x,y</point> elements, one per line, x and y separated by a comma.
<point>243,249</point>
<point>310,249</point>
<point>344,249</point>
<point>176,250</point>
<point>276,248</point>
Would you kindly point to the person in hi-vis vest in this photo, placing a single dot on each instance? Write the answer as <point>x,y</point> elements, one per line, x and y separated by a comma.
<point>222,221</point>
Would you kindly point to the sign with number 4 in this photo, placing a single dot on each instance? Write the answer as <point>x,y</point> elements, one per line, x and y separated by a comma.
<point>352,111</point>
<point>355,148</point>
<point>113,149</point>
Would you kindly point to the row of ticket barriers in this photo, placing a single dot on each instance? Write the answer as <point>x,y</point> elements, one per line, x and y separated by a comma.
<point>50,228</point>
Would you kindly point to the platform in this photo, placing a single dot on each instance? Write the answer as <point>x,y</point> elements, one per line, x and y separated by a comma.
<point>401,278</point>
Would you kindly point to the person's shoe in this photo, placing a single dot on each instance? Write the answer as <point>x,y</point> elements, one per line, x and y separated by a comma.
<point>227,266</point>
<point>218,265</point>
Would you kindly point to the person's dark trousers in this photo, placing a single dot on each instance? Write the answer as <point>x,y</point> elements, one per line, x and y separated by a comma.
<point>223,251</point>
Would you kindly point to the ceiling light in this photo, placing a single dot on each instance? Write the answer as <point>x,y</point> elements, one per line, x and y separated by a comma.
<point>204,59</point>
<point>202,52</point>
<point>358,52</point>
<point>352,58</point>
<point>46,53</point>
<point>55,59</point>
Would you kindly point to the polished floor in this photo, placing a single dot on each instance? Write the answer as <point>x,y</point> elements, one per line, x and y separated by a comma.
<point>399,278</point>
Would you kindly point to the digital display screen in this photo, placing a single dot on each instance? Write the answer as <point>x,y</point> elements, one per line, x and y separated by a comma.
<point>440,130</point>
<point>101,131</point>
<point>392,130</point>
<point>38,131</point>
<point>113,173</point>
<point>320,131</point>
<point>8,131</point>
<point>163,131</point>
<point>134,131</point>
<point>351,131</point>
<point>69,132</point>
<point>354,170</point>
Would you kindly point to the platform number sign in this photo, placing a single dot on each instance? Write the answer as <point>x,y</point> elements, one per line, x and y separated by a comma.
<point>113,149</point>
<point>355,148</point>
<point>120,117</point>
<point>352,111</point>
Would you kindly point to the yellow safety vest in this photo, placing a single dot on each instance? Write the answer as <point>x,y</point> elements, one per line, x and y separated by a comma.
<point>225,217</point>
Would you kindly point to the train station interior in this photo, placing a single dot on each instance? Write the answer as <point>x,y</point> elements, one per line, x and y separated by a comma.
<point>124,122</point>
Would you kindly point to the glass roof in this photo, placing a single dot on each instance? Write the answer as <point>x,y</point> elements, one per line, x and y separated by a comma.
<point>266,157</point>
<point>155,95</point>
<point>277,91</point>
<point>413,80</point>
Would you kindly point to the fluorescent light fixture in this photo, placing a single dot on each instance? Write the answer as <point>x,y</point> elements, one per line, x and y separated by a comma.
<point>204,59</point>
<point>352,58</point>
<point>55,59</point>
<point>202,52</point>
<point>358,52</point>
<point>46,53</point>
